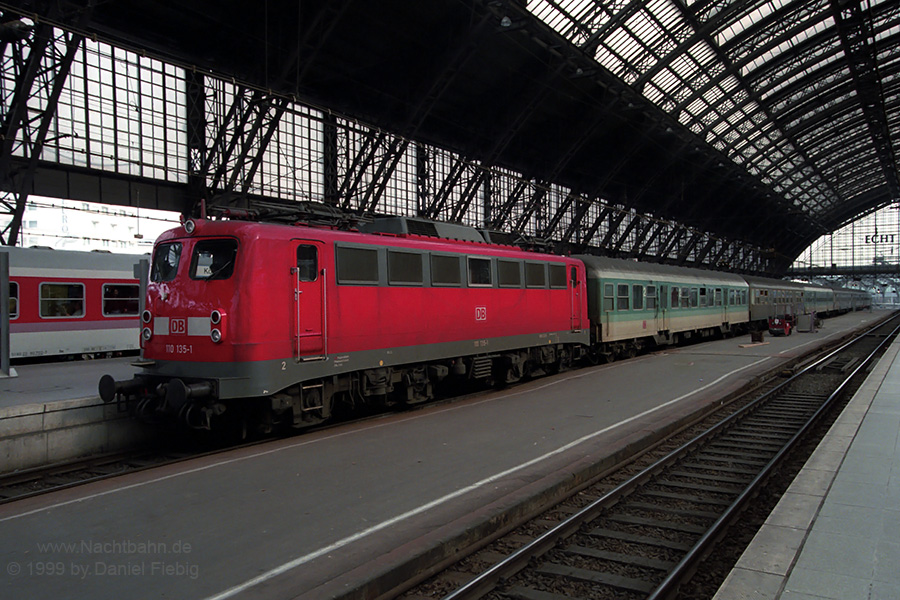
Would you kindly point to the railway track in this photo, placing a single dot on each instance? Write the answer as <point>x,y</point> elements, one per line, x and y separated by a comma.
<point>645,535</point>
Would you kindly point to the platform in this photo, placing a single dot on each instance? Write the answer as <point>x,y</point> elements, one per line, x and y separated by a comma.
<point>50,413</point>
<point>835,534</point>
<point>324,514</point>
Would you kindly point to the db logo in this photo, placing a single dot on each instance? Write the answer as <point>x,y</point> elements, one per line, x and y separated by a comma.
<point>178,326</point>
<point>481,313</point>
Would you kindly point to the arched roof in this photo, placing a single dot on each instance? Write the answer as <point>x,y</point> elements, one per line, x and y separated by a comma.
<point>767,121</point>
<point>802,94</point>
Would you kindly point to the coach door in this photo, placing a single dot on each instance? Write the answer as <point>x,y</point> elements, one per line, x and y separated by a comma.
<point>662,308</point>
<point>309,305</point>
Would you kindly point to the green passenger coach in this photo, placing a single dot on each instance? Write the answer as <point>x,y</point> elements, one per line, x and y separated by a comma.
<point>633,305</point>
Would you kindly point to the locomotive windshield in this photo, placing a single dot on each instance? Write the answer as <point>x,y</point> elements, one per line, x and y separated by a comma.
<point>213,259</point>
<point>165,262</point>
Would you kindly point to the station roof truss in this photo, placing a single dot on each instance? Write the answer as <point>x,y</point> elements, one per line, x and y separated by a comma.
<point>713,132</point>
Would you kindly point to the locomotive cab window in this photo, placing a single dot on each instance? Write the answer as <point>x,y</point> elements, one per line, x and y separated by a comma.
<point>307,262</point>
<point>404,268</point>
<point>60,300</point>
<point>213,259</point>
<point>445,270</point>
<point>165,261</point>
<point>13,299</point>
<point>120,299</point>
<point>357,265</point>
<point>480,271</point>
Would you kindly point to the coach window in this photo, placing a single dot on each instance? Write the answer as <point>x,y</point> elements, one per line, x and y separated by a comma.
<point>165,261</point>
<point>685,297</point>
<point>357,265</point>
<point>718,296</point>
<point>120,299</point>
<point>213,259</point>
<point>445,270</point>
<point>535,275</point>
<point>509,273</point>
<point>608,297</point>
<point>62,300</point>
<point>558,276</point>
<point>622,297</point>
<point>675,303</point>
<point>693,297</point>
<point>637,297</point>
<point>13,299</point>
<point>703,297</point>
<point>404,268</point>
<point>480,271</point>
<point>307,262</point>
<point>651,297</point>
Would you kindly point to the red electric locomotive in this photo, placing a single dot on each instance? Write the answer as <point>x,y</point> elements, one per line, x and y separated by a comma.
<point>281,323</point>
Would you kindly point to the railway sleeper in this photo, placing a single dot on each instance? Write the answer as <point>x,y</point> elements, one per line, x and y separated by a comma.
<point>627,559</point>
<point>617,581</point>
<point>633,538</point>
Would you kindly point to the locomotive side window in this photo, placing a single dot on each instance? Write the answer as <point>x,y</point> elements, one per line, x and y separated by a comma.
<point>651,297</point>
<point>535,275</point>
<point>637,297</point>
<point>608,296</point>
<point>480,271</point>
<point>509,273</point>
<point>120,299</point>
<point>404,268</point>
<point>357,265</point>
<point>165,262</point>
<point>445,270</point>
<point>622,297</point>
<point>213,259</point>
<point>557,276</point>
<point>307,262</point>
<point>62,300</point>
<point>13,299</point>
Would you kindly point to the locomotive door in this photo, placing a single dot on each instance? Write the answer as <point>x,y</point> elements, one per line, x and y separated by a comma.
<point>309,306</point>
<point>575,297</point>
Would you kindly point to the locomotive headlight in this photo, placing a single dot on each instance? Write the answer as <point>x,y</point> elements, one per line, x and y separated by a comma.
<point>146,316</point>
<point>189,226</point>
<point>215,335</point>
<point>215,317</point>
<point>146,334</point>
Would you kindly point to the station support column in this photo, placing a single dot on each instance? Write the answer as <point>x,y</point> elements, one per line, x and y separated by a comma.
<point>5,369</point>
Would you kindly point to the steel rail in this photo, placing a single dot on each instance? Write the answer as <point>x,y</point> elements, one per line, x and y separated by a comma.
<point>670,584</point>
<point>519,559</point>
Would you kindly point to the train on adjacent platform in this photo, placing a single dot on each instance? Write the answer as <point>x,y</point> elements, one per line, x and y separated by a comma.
<point>71,304</point>
<point>282,324</point>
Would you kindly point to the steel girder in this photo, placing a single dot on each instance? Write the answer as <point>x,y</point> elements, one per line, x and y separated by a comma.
<point>40,63</point>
